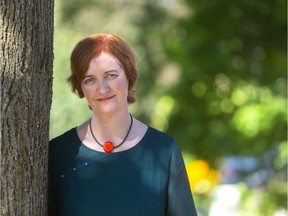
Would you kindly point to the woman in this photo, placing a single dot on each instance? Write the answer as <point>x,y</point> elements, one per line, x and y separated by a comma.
<point>114,164</point>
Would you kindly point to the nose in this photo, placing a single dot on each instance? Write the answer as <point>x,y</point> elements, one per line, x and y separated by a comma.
<point>102,87</point>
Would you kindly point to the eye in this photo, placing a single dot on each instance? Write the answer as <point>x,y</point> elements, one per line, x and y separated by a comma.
<point>89,81</point>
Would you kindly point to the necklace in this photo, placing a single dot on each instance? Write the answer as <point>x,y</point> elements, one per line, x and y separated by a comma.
<point>109,146</point>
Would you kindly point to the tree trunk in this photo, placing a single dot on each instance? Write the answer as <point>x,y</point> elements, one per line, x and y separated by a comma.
<point>26,61</point>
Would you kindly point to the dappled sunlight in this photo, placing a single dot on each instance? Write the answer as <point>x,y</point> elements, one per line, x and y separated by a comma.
<point>169,75</point>
<point>202,177</point>
<point>258,116</point>
<point>199,89</point>
<point>218,86</point>
<point>163,108</point>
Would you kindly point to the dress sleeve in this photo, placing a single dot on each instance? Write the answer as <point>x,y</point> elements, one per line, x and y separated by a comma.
<point>52,197</point>
<point>180,200</point>
<point>52,203</point>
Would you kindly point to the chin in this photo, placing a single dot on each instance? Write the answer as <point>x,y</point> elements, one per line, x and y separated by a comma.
<point>106,111</point>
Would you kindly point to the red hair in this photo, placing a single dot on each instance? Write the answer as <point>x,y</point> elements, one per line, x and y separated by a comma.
<point>91,47</point>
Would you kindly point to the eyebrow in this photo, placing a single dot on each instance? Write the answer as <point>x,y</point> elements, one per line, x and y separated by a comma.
<point>87,76</point>
<point>110,71</point>
<point>106,72</point>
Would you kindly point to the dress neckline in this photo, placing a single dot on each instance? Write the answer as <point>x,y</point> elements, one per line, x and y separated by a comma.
<point>139,144</point>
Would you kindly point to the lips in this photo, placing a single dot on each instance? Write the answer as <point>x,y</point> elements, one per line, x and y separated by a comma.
<point>105,99</point>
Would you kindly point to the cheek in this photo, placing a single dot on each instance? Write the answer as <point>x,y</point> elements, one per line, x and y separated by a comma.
<point>87,92</point>
<point>123,85</point>
<point>126,88</point>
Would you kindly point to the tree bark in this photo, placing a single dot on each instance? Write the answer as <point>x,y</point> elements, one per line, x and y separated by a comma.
<point>26,61</point>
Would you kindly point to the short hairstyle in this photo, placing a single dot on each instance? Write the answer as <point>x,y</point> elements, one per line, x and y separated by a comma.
<point>92,46</point>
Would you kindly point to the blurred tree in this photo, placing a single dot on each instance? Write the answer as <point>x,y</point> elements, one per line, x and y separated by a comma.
<point>142,25</point>
<point>231,95</point>
<point>212,74</point>
<point>26,82</point>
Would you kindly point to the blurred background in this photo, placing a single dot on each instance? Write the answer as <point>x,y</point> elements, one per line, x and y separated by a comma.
<point>213,75</point>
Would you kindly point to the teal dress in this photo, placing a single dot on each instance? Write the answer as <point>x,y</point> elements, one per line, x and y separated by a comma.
<point>148,179</point>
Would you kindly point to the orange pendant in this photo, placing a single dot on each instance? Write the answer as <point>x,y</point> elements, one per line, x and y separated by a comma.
<point>108,146</point>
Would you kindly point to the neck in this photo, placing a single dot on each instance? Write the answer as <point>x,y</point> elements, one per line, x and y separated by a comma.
<point>110,127</point>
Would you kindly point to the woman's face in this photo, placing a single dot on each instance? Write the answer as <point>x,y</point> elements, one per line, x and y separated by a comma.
<point>105,85</point>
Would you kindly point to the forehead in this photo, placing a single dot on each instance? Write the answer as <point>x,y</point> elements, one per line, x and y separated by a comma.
<point>104,60</point>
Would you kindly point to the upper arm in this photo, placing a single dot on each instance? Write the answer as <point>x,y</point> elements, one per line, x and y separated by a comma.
<point>180,200</point>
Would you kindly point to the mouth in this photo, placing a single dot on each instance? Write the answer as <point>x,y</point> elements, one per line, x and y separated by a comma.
<point>105,99</point>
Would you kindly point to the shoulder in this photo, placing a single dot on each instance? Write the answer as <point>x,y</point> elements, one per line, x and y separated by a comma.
<point>160,141</point>
<point>166,141</point>
<point>63,141</point>
<point>159,136</point>
<point>62,149</point>
<point>63,137</point>
<point>164,148</point>
<point>152,137</point>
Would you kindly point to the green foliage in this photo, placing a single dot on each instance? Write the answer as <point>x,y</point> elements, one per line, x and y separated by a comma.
<point>67,109</point>
<point>135,23</point>
<point>233,59</point>
<point>231,97</point>
<point>212,74</point>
